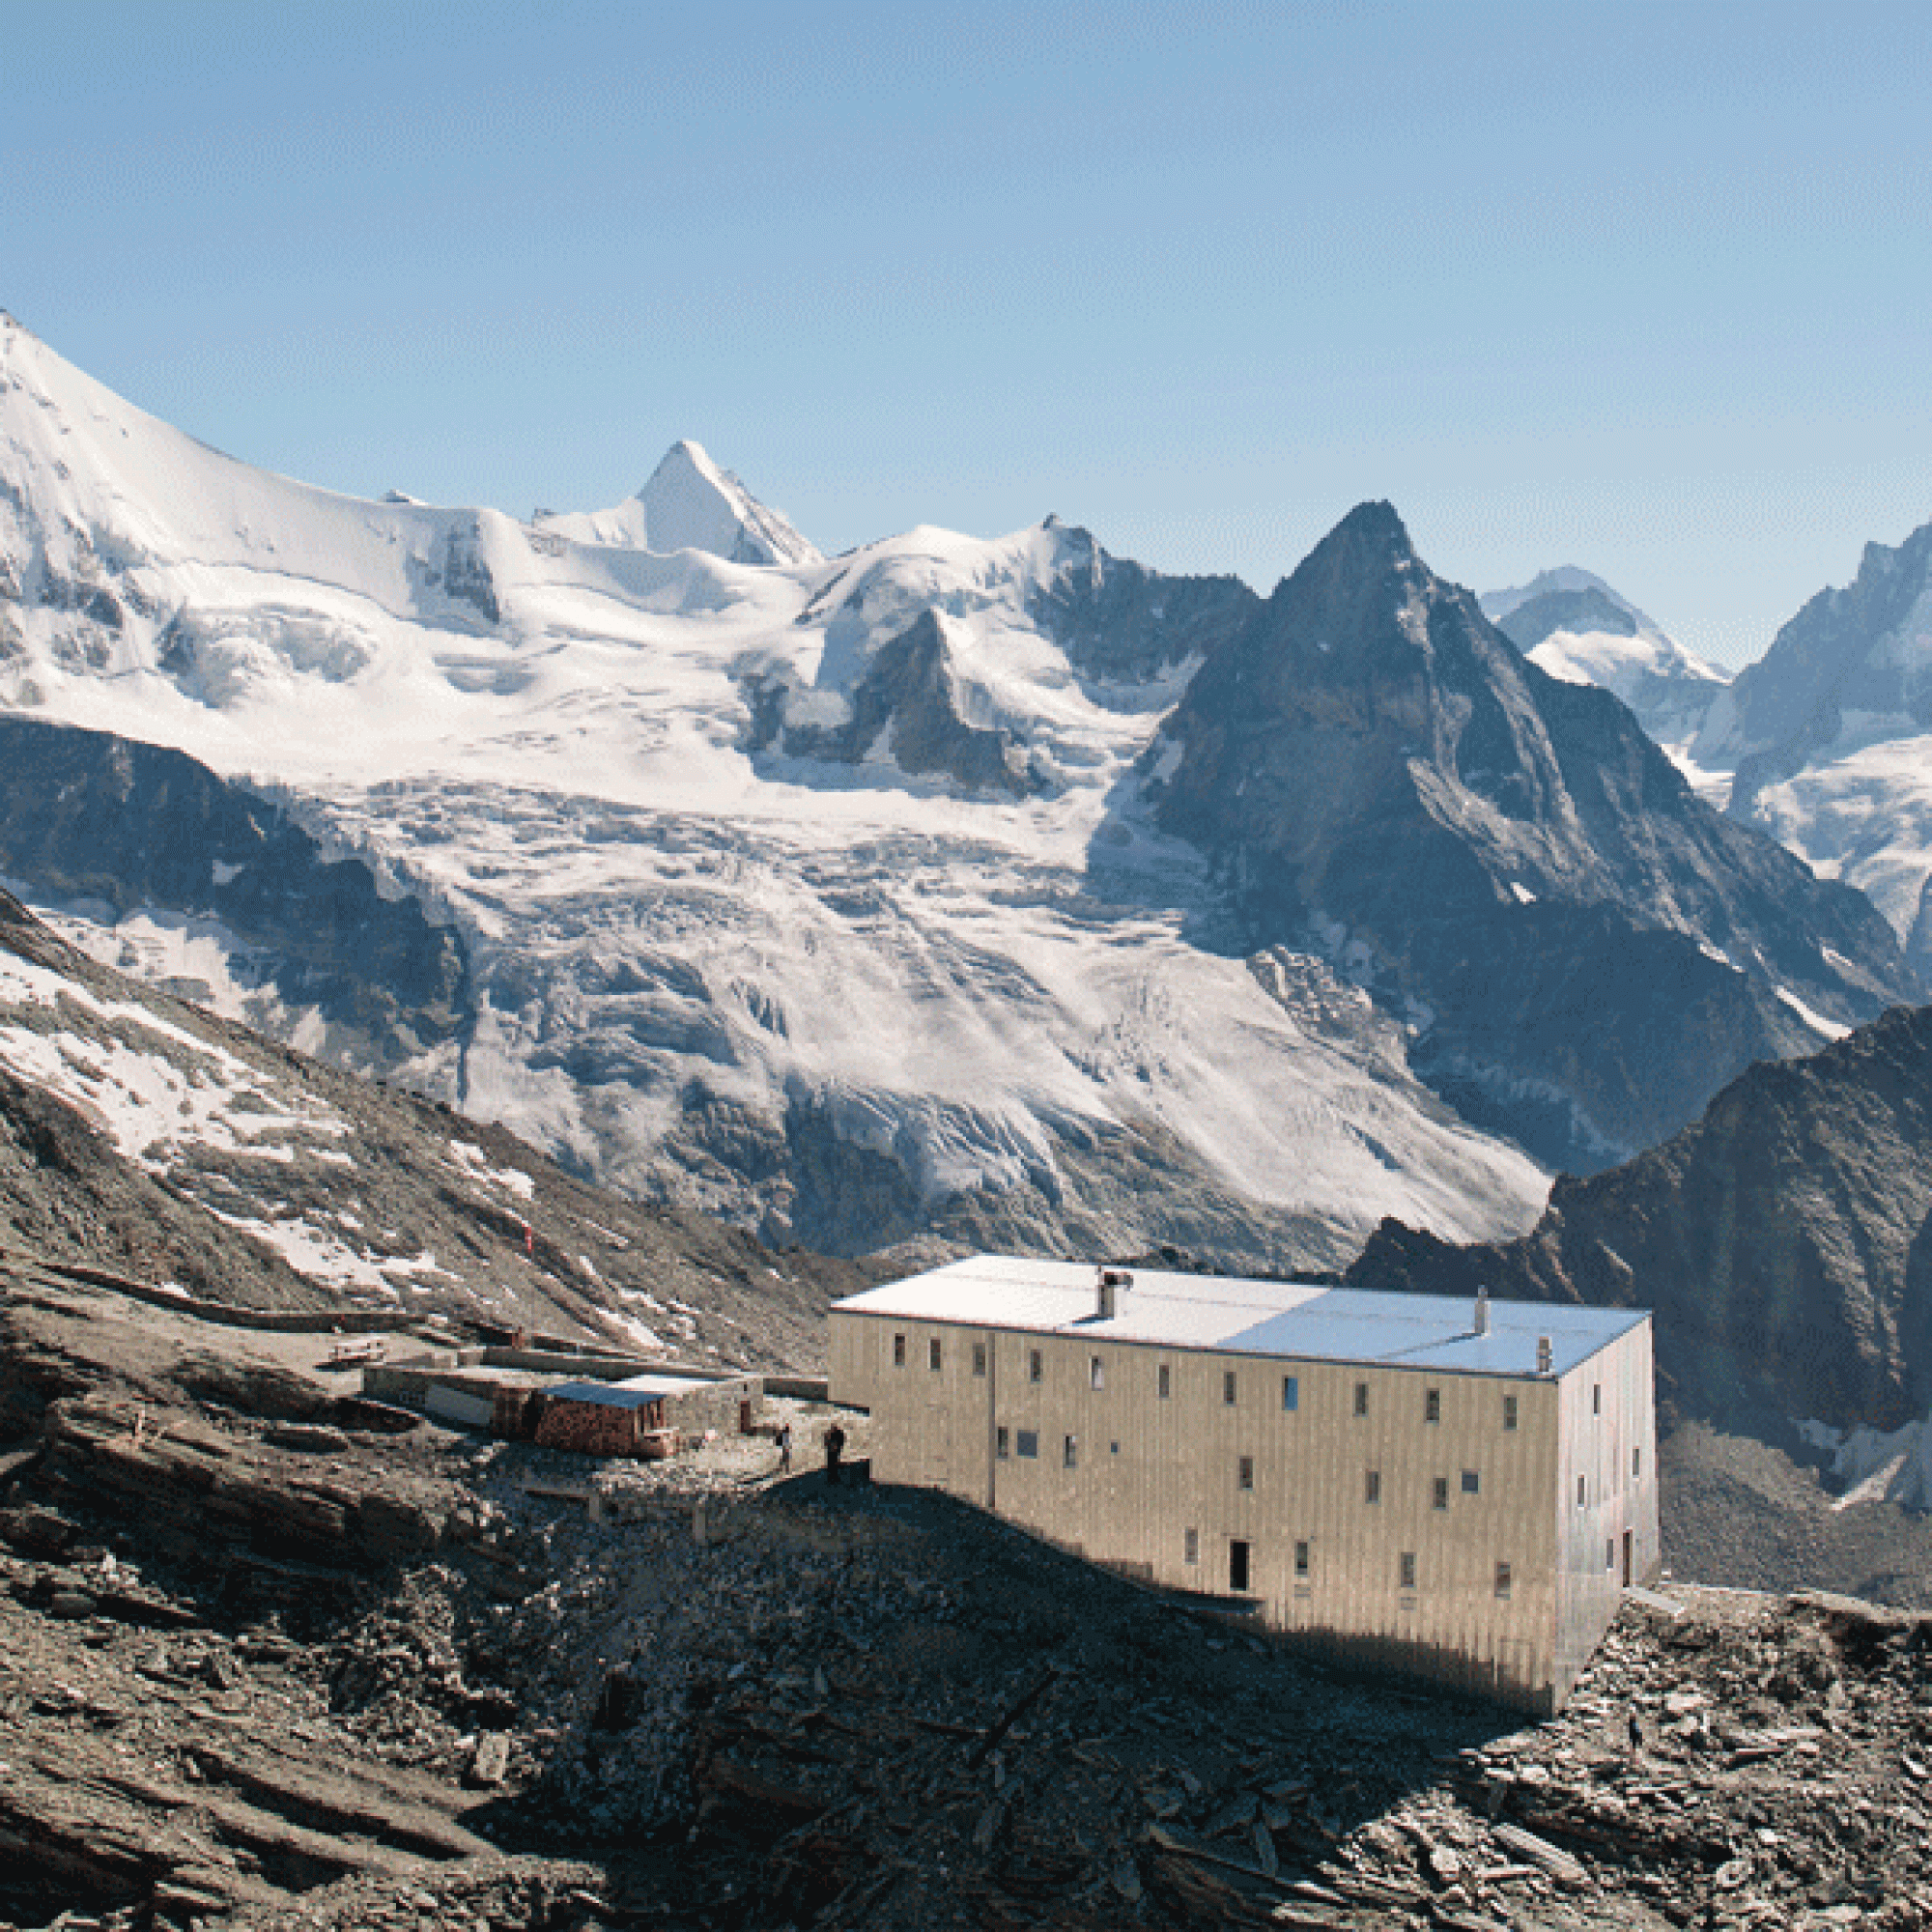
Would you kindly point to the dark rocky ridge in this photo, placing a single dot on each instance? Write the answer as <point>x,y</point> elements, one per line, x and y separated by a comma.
<point>86,815</point>
<point>1378,773</point>
<point>1784,1241</point>
<point>906,691</point>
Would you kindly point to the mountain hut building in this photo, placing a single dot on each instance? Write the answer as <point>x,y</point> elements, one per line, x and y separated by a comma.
<point>1459,1490</point>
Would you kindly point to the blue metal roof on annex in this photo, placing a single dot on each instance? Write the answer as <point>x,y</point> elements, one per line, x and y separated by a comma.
<point>1288,1319</point>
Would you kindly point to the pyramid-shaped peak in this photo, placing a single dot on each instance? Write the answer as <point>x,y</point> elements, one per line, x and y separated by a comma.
<point>692,503</point>
<point>1368,529</point>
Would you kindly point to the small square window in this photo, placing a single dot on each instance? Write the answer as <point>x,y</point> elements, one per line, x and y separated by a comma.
<point>1069,1452</point>
<point>1228,1388</point>
<point>1583,1492</point>
<point>1027,1444</point>
<point>1596,1398</point>
<point>1301,1559</point>
<point>1637,1462</point>
<point>1291,1391</point>
<point>1509,1411</point>
<point>1406,1570</point>
<point>1361,1398</point>
<point>1096,1373</point>
<point>978,1358</point>
<point>898,1352</point>
<point>1440,1493</point>
<point>1372,1487</point>
<point>1245,1473</point>
<point>1432,1405</point>
<point>1473,1482</point>
<point>1191,1547</point>
<point>1034,1365</point>
<point>932,1354</point>
<point>1002,1443</point>
<point>1163,1381</point>
<point>1502,1579</point>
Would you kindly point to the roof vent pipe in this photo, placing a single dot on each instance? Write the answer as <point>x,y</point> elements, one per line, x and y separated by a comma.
<point>1482,1310</point>
<point>1543,1354</point>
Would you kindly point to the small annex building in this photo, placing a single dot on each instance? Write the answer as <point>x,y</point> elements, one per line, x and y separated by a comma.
<point>1458,1488</point>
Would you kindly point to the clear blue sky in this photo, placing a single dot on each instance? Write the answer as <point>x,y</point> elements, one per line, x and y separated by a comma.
<point>1647,289</point>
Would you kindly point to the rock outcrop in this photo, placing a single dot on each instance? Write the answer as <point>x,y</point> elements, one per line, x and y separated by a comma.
<point>1588,952</point>
<point>1784,1241</point>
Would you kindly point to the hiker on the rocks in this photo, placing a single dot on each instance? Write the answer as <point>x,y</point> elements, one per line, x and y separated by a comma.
<point>834,1448</point>
<point>784,1448</point>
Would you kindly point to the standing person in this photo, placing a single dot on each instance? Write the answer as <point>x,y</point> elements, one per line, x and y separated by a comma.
<point>835,1447</point>
<point>784,1448</point>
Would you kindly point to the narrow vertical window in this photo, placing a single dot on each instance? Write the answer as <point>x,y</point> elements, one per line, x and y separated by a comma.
<point>1301,1559</point>
<point>1237,1565</point>
<point>1244,1474</point>
<point>1502,1579</point>
<point>1033,1365</point>
<point>1596,1398</point>
<point>1191,1547</point>
<point>1069,1453</point>
<point>1163,1381</point>
<point>1361,1398</point>
<point>932,1354</point>
<point>1610,1552</point>
<point>1291,1391</point>
<point>1439,1494</point>
<point>1372,1487</point>
<point>1432,1405</point>
<point>898,1352</point>
<point>1228,1388</point>
<point>1406,1570</point>
<point>1637,1463</point>
<point>1096,1373</point>
<point>1509,1411</point>
<point>1002,1443</point>
<point>1583,1492</point>
<point>978,1358</point>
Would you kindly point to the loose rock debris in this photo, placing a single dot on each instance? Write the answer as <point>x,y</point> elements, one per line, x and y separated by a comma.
<point>339,1679</point>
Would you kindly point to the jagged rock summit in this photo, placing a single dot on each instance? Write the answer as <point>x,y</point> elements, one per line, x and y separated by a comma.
<point>691,504</point>
<point>1588,950</point>
<point>1784,1241</point>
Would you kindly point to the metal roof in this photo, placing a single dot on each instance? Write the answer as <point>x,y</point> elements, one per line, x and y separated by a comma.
<point>604,1395</point>
<point>1293,1321</point>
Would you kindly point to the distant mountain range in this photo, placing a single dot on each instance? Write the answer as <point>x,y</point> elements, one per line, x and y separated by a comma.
<point>950,892</point>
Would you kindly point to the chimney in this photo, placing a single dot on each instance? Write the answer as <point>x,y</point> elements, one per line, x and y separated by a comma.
<point>1107,1286</point>
<point>1482,1310</point>
<point>1543,1356</point>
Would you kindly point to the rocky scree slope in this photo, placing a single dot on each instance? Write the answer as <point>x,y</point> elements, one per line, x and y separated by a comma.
<point>858,1708</point>
<point>1784,1241</point>
<point>146,1136</point>
<point>1587,950</point>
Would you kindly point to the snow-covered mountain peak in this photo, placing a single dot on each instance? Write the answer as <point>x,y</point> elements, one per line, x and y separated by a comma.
<point>1572,625</point>
<point>689,503</point>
